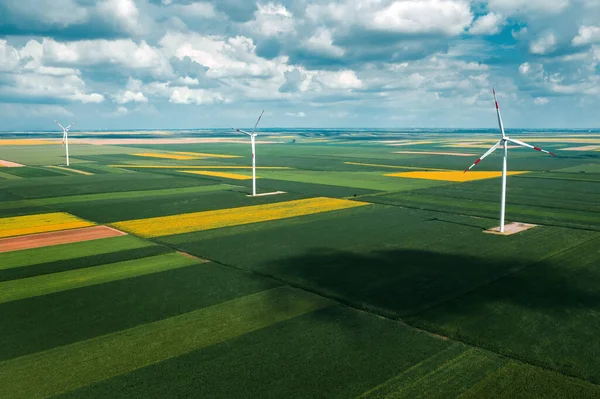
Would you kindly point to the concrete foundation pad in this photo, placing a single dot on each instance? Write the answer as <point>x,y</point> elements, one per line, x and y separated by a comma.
<point>510,229</point>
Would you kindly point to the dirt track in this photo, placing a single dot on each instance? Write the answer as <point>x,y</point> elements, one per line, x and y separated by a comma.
<point>57,237</point>
<point>9,164</point>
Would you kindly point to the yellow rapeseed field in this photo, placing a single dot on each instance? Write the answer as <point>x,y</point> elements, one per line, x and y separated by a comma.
<point>451,175</point>
<point>27,142</point>
<point>42,223</point>
<point>218,174</point>
<point>198,221</point>
<point>180,157</point>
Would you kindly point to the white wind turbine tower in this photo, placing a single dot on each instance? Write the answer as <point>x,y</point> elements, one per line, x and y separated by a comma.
<point>66,138</point>
<point>504,143</point>
<point>252,139</point>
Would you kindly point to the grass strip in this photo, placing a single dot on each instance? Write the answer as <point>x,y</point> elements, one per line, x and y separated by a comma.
<point>69,367</point>
<point>42,285</point>
<point>111,196</point>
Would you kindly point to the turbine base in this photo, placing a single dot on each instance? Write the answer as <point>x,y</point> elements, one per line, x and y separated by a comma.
<point>511,228</point>
<point>264,194</point>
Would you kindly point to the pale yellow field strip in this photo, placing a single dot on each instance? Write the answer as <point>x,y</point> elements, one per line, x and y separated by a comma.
<point>166,156</point>
<point>206,155</point>
<point>389,166</point>
<point>14,290</point>
<point>28,142</point>
<point>41,223</point>
<point>9,164</point>
<point>412,143</point>
<point>456,154</point>
<point>563,140</point>
<point>226,175</point>
<point>582,148</point>
<point>199,221</point>
<point>195,167</point>
<point>81,172</point>
<point>83,363</point>
<point>452,175</point>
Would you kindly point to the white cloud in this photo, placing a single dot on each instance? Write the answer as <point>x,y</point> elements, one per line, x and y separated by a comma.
<point>541,101</point>
<point>122,13</point>
<point>187,81</point>
<point>544,44</point>
<point>128,96</point>
<point>322,43</point>
<point>339,79</point>
<point>587,35</point>
<point>9,57</point>
<point>185,95</point>
<point>271,19</point>
<point>68,88</point>
<point>296,114</point>
<point>489,24</point>
<point>122,52</point>
<point>224,57</point>
<point>447,17</point>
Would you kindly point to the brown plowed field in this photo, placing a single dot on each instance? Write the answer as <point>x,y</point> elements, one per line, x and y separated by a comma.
<point>57,237</point>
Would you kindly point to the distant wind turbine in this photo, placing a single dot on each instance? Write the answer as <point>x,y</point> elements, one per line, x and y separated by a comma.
<point>65,140</point>
<point>504,142</point>
<point>252,140</point>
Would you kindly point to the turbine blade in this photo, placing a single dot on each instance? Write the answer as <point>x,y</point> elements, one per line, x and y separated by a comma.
<point>61,126</point>
<point>500,123</point>
<point>494,147</point>
<point>256,124</point>
<point>521,143</point>
<point>67,128</point>
<point>242,131</point>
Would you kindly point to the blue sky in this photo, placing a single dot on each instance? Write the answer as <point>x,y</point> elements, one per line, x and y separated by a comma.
<point>120,64</point>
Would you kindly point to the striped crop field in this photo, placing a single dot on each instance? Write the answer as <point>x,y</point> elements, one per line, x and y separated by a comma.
<point>452,175</point>
<point>27,142</point>
<point>206,155</point>
<point>81,172</point>
<point>199,221</point>
<point>46,284</point>
<point>41,223</point>
<point>148,344</point>
<point>180,157</point>
<point>196,167</point>
<point>235,176</point>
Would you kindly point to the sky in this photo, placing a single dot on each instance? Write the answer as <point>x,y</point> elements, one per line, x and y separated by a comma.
<point>175,64</point>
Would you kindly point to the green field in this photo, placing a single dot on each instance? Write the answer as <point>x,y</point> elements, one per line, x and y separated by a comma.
<point>405,297</point>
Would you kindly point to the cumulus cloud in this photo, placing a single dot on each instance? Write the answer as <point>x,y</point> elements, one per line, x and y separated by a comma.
<point>271,19</point>
<point>541,101</point>
<point>489,24</point>
<point>128,96</point>
<point>587,35</point>
<point>321,42</point>
<point>544,44</point>
<point>448,17</point>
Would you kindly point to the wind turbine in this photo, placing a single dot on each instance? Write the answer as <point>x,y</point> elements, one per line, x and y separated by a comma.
<point>252,140</point>
<point>504,143</point>
<point>65,140</point>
